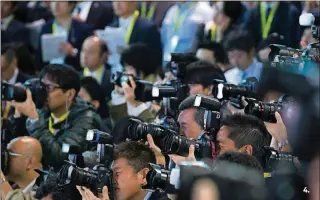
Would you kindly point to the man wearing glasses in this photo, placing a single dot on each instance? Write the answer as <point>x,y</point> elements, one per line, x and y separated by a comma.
<point>25,154</point>
<point>65,117</point>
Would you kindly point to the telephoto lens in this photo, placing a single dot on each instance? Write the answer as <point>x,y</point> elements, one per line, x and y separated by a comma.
<point>179,145</point>
<point>263,110</point>
<point>95,135</point>
<point>139,130</point>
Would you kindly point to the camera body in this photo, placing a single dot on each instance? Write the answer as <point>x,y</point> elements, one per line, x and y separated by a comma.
<point>18,93</point>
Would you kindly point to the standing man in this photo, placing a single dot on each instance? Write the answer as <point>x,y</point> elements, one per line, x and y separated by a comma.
<point>180,27</point>
<point>137,29</point>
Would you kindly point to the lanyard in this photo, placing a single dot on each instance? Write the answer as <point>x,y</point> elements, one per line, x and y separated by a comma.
<point>266,22</point>
<point>6,110</point>
<point>213,32</point>
<point>151,10</point>
<point>55,29</point>
<point>130,28</point>
<point>60,119</point>
<point>179,19</point>
<point>97,74</point>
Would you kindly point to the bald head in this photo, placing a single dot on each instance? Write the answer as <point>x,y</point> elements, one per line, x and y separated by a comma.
<point>27,146</point>
<point>94,52</point>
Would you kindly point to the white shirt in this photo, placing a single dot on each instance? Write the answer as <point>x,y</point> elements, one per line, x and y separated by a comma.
<point>13,79</point>
<point>28,189</point>
<point>85,9</point>
<point>124,23</point>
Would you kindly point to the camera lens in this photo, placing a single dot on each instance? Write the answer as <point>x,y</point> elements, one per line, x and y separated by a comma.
<point>262,110</point>
<point>78,176</point>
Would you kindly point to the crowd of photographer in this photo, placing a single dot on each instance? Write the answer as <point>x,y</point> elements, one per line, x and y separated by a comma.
<point>205,102</point>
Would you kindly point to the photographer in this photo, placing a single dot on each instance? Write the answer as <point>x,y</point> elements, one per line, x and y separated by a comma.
<point>25,156</point>
<point>130,168</point>
<point>200,76</point>
<point>137,62</point>
<point>243,133</point>
<point>64,119</point>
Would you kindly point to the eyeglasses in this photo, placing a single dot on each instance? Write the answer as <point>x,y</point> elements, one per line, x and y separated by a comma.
<point>51,87</point>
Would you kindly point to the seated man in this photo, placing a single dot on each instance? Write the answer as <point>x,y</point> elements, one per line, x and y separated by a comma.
<point>243,133</point>
<point>94,54</point>
<point>25,156</point>
<point>64,119</point>
<point>240,47</point>
<point>130,168</point>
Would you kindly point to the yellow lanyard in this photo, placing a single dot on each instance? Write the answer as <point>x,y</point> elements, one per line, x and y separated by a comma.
<point>54,28</point>
<point>151,10</point>
<point>266,23</point>
<point>130,28</point>
<point>179,19</point>
<point>6,110</point>
<point>60,119</point>
<point>213,32</point>
<point>98,73</point>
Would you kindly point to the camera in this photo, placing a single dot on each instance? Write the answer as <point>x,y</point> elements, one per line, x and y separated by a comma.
<point>179,62</point>
<point>158,177</point>
<point>74,154</point>
<point>18,93</point>
<point>104,149</point>
<point>138,130</point>
<point>263,110</point>
<point>94,178</point>
<point>225,91</point>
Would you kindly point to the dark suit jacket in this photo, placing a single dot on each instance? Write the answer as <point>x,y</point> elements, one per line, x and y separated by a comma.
<point>79,31</point>
<point>23,77</point>
<point>146,32</point>
<point>285,22</point>
<point>100,15</point>
<point>15,32</point>
<point>106,84</point>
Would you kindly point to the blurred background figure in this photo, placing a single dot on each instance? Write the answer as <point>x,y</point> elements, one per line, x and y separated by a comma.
<point>97,14</point>
<point>12,30</point>
<point>75,33</point>
<point>154,10</point>
<point>180,27</point>
<point>94,54</point>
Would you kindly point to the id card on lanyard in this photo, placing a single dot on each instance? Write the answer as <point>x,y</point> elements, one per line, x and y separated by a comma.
<point>178,20</point>
<point>266,21</point>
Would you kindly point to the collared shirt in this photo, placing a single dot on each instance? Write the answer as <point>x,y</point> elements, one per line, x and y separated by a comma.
<point>5,22</point>
<point>200,13</point>
<point>84,10</point>
<point>13,79</point>
<point>124,23</point>
<point>97,74</point>
<point>236,76</point>
<point>148,195</point>
<point>29,187</point>
<point>61,31</point>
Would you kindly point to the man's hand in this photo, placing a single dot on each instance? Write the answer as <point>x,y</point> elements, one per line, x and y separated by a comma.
<point>129,92</point>
<point>160,159</point>
<point>67,49</point>
<point>177,159</point>
<point>88,195</point>
<point>277,130</point>
<point>27,108</point>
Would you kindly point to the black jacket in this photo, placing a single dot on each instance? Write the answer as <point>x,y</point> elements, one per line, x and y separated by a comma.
<point>15,32</point>
<point>100,15</point>
<point>72,131</point>
<point>159,195</point>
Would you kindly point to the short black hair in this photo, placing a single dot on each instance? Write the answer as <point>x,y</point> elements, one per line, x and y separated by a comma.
<point>241,159</point>
<point>239,40</point>
<point>96,93</point>
<point>9,51</point>
<point>248,130</point>
<point>138,155</point>
<point>233,9</point>
<point>64,75</point>
<point>203,72</point>
<point>219,53</point>
<point>139,56</point>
